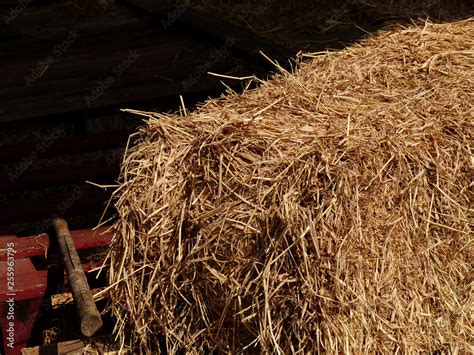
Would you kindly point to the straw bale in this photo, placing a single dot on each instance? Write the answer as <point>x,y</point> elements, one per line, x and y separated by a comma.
<point>329,210</point>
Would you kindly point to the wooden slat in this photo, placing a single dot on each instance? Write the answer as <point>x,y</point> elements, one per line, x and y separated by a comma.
<point>144,80</point>
<point>23,308</point>
<point>124,95</point>
<point>29,282</point>
<point>91,202</point>
<point>245,41</point>
<point>97,170</point>
<point>166,59</point>
<point>26,247</point>
<point>82,73</point>
<point>64,146</point>
<point>23,328</point>
<point>33,49</point>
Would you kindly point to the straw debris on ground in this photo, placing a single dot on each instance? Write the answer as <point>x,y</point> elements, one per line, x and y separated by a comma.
<point>329,210</point>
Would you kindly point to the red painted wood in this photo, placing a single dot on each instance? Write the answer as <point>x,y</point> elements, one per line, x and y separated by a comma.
<point>29,282</point>
<point>16,348</point>
<point>22,329</point>
<point>26,247</point>
<point>22,308</point>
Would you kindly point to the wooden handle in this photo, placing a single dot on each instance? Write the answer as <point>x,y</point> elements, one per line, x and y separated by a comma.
<point>89,315</point>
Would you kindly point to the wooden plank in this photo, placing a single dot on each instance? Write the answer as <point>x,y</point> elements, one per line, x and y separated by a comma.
<point>62,299</point>
<point>167,58</point>
<point>22,308</point>
<point>87,51</point>
<point>29,282</point>
<point>49,16</point>
<point>59,298</point>
<point>41,29</point>
<point>78,203</point>
<point>85,93</point>
<point>22,328</point>
<point>142,81</point>
<point>97,169</point>
<point>64,146</point>
<point>71,347</point>
<point>26,247</point>
<point>83,71</point>
<point>43,105</point>
<point>27,304</point>
<point>244,40</point>
<point>39,49</point>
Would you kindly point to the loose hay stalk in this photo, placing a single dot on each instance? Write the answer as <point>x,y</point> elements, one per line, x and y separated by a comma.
<point>328,210</point>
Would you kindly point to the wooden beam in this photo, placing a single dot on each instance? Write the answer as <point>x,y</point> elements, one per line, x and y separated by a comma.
<point>242,39</point>
<point>25,177</point>
<point>89,315</point>
<point>135,63</point>
<point>80,202</point>
<point>63,146</point>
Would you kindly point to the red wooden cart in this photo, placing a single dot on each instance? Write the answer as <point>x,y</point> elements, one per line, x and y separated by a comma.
<point>24,288</point>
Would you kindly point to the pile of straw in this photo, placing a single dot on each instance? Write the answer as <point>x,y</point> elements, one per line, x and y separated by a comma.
<point>328,210</point>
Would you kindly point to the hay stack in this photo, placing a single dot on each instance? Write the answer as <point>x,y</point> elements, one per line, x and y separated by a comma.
<point>329,210</point>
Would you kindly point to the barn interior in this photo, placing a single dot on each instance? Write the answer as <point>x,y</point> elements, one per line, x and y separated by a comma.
<point>80,77</point>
